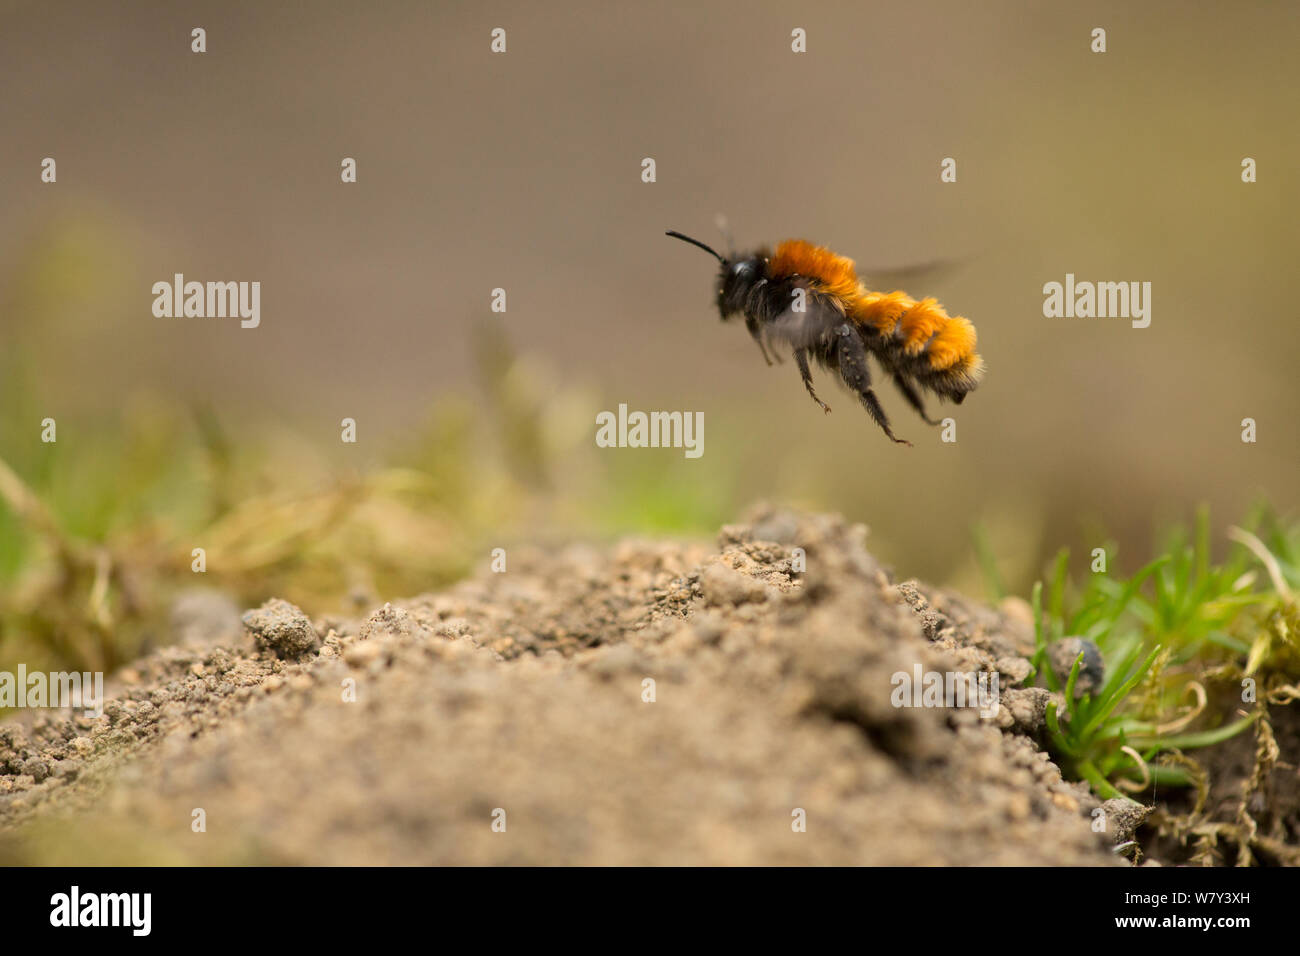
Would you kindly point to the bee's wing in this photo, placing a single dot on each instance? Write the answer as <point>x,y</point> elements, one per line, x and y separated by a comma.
<point>910,273</point>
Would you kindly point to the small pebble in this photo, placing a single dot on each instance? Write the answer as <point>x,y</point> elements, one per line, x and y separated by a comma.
<point>1063,653</point>
<point>280,627</point>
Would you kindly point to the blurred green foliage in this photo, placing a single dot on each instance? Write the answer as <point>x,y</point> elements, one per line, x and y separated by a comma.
<point>98,528</point>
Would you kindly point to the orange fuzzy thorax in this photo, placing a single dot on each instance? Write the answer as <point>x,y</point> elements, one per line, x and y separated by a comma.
<point>948,342</point>
<point>835,273</point>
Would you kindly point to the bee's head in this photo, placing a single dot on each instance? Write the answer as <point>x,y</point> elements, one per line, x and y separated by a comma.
<point>736,278</point>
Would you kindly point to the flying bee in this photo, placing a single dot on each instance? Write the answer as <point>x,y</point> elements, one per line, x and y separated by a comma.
<point>810,299</point>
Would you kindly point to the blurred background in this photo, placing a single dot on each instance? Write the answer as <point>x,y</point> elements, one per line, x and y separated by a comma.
<point>523,171</point>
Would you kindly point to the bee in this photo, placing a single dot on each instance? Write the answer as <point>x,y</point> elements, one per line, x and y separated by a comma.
<point>810,299</point>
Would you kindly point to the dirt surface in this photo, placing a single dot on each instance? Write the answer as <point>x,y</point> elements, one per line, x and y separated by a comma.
<point>522,698</point>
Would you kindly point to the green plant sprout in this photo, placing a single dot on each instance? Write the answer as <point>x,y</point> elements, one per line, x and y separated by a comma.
<point>1163,633</point>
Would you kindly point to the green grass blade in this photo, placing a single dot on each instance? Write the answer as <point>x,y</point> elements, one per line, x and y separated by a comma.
<point>1205,738</point>
<point>1110,703</point>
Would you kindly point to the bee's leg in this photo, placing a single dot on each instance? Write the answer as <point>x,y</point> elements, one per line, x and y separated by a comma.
<point>852,355</point>
<point>801,359</point>
<point>913,397</point>
<point>756,334</point>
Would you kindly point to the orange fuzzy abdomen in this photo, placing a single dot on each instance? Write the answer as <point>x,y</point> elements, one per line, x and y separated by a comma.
<point>919,327</point>
<point>919,324</point>
<point>881,310</point>
<point>953,344</point>
<point>922,329</point>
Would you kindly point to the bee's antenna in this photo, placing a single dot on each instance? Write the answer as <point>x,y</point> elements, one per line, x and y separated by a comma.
<point>695,242</point>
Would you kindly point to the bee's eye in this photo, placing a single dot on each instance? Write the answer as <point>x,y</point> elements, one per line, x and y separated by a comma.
<point>740,268</point>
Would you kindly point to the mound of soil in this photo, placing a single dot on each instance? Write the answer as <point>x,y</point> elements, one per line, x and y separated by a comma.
<point>653,704</point>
